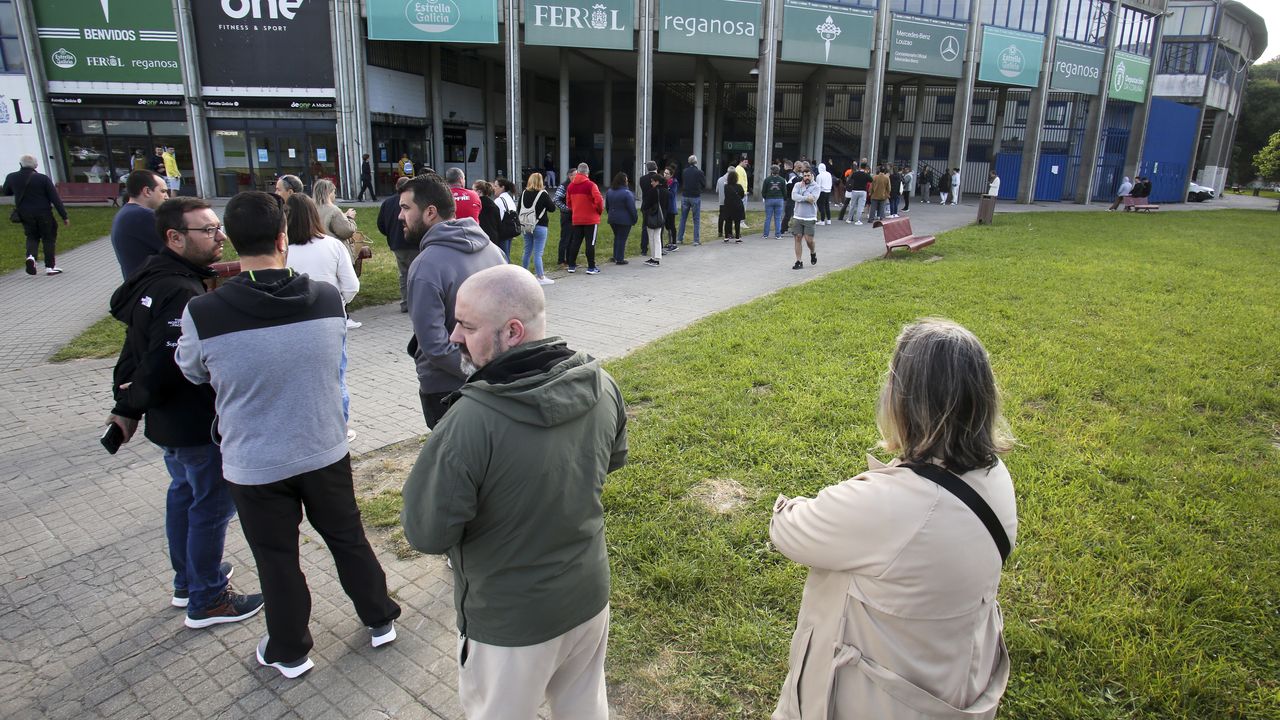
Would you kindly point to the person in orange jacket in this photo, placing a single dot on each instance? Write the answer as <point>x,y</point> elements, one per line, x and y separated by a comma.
<point>585,203</point>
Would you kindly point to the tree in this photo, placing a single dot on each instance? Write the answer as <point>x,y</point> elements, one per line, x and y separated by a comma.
<point>1259,118</point>
<point>1267,161</point>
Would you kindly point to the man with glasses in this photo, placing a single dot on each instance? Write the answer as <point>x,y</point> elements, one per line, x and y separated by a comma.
<point>179,415</point>
<point>134,236</point>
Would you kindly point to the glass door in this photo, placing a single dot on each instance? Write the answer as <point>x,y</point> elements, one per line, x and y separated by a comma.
<point>231,166</point>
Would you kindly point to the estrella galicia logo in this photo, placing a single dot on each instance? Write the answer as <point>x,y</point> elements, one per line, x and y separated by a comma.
<point>63,58</point>
<point>1011,62</point>
<point>433,16</point>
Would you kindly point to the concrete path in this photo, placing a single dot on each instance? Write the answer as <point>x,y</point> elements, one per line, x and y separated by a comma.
<point>85,626</point>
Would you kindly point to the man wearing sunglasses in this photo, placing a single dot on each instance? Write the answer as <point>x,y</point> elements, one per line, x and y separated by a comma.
<point>179,415</point>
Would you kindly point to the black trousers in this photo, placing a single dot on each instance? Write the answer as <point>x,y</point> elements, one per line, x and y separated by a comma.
<point>788,211</point>
<point>824,206</point>
<point>366,184</point>
<point>621,233</point>
<point>269,517</point>
<point>566,237</point>
<point>433,407</point>
<point>40,229</point>
<point>584,236</point>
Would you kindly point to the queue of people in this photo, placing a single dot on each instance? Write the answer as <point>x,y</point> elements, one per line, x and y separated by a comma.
<point>904,560</point>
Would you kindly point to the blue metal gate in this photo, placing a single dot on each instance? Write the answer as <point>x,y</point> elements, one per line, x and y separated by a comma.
<point>1009,170</point>
<point>1114,147</point>
<point>1171,134</point>
<point>1051,178</point>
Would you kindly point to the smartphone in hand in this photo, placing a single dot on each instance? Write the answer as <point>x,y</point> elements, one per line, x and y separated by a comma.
<point>112,438</point>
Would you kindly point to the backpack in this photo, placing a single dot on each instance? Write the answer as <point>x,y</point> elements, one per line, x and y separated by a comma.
<point>507,225</point>
<point>529,216</point>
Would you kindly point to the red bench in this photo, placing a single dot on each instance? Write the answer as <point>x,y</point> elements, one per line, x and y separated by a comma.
<point>897,234</point>
<point>1138,204</point>
<point>89,192</point>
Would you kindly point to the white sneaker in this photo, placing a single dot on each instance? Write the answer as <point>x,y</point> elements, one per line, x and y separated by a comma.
<point>352,324</point>
<point>53,271</point>
<point>544,280</point>
<point>858,223</point>
<point>351,435</point>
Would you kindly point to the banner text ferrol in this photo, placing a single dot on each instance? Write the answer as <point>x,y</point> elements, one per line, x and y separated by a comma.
<point>604,24</point>
<point>108,41</point>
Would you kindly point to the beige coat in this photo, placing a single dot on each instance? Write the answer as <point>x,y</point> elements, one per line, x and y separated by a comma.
<point>334,222</point>
<point>899,618</point>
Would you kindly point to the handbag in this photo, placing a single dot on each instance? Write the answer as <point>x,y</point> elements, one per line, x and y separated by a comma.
<point>653,217</point>
<point>966,494</point>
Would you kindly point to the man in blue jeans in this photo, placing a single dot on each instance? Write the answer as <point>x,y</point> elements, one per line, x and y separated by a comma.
<point>179,415</point>
<point>692,183</point>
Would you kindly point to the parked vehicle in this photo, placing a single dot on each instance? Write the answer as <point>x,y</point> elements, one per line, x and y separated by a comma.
<point>1200,193</point>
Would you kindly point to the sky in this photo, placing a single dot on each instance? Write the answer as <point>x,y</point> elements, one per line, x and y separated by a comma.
<point>1270,12</point>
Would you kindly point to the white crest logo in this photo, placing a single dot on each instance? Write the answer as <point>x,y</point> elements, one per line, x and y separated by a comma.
<point>950,48</point>
<point>599,18</point>
<point>4,110</point>
<point>433,16</point>
<point>1011,62</point>
<point>828,31</point>
<point>1119,77</point>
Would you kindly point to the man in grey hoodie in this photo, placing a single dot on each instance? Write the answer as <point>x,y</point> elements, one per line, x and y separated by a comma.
<point>270,341</point>
<point>449,252</point>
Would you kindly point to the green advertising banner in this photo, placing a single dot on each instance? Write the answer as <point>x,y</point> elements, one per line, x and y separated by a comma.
<point>816,32</point>
<point>924,46</point>
<point>1077,68</point>
<point>1010,57</point>
<point>445,21</point>
<point>108,40</point>
<point>606,24</point>
<point>710,27</point>
<point>1129,75</point>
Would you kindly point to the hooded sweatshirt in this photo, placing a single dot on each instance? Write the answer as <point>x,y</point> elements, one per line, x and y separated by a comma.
<point>509,485</point>
<point>449,253</point>
<point>584,200</point>
<point>270,342</point>
<point>150,304</point>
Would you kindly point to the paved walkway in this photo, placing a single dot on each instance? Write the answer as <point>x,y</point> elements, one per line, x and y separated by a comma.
<point>85,626</point>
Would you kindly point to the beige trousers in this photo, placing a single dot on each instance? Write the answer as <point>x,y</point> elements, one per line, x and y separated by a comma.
<point>510,683</point>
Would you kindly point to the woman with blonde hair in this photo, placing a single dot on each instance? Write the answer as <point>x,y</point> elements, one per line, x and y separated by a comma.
<point>535,204</point>
<point>899,617</point>
<point>333,221</point>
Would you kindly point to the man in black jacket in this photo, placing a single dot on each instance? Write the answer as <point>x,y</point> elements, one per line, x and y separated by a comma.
<point>366,179</point>
<point>390,226</point>
<point>37,198</point>
<point>692,183</point>
<point>179,415</point>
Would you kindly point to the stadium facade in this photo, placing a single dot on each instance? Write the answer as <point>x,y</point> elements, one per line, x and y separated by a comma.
<point>1061,97</point>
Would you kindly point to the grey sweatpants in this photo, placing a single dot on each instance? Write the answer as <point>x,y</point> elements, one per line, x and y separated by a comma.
<point>500,683</point>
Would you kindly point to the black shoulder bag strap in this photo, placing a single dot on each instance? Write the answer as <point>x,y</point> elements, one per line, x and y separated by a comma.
<point>957,486</point>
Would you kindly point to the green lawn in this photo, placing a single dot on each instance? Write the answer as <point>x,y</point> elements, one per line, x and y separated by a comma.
<point>379,279</point>
<point>87,224</point>
<point>1141,378</point>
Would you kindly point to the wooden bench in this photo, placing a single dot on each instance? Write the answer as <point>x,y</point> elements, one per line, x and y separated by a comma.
<point>89,192</point>
<point>897,234</point>
<point>1138,204</point>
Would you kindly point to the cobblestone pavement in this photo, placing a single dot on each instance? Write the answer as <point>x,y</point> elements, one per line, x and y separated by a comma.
<point>85,625</point>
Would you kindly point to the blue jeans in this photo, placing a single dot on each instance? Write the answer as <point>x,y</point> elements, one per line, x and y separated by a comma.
<point>773,211</point>
<point>505,247</point>
<point>694,203</point>
<point>197,511</point>
<point>534,243</point>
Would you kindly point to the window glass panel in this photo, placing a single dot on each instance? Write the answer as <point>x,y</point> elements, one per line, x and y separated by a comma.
<point>169,128</point>
<point>13,59</point>
<point>126,127</point>
<point>8,20</point>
